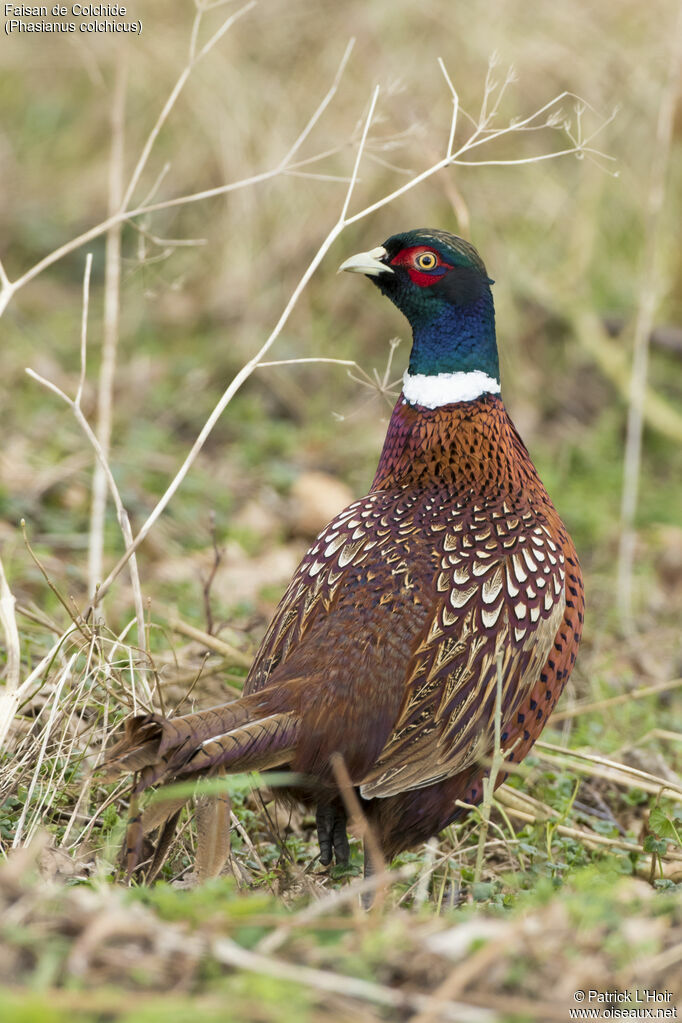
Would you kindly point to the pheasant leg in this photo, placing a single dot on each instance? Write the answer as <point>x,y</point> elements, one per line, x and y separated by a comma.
<point>331,834</point>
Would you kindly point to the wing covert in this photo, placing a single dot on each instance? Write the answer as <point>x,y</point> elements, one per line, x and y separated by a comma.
<point>502,581</point>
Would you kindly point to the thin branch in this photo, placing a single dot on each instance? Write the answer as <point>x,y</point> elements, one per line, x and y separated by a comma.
<point>358,158</point>
<point>455,106</point>
<point>207,47</point>
<point>9,288</point>
<point>310,176</point>
<point>175,92</point>
<point>471,143</point>
<point>157,184</point>
<point>173,243</point>
<point>322,106</point>
<point>573,151</point>
<point>306,359</point>
<point>194,34</point>
<point>229,652</point>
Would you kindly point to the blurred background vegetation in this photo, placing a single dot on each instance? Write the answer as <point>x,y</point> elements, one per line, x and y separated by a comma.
<point>564,240</point>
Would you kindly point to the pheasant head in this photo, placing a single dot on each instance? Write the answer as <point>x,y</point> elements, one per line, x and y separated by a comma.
<point>439,282</point>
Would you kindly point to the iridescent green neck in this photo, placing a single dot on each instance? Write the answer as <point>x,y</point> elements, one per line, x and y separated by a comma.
<point>455,339</point>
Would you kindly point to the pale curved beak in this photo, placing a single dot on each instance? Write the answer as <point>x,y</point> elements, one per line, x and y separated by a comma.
<point>369,263</point>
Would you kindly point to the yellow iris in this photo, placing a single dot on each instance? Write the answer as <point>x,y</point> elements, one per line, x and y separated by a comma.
<point>426,261</point>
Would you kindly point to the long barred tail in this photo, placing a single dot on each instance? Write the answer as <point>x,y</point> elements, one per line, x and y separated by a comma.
<point>150,739</point>
<point>238,736</point>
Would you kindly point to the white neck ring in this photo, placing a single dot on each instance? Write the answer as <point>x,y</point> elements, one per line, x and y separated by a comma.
<point>433,390</point>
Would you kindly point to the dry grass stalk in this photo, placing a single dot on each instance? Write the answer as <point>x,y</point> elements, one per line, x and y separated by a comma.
<point>229,953</point>
<point>330,903</point>
<point>648,303</point>
<point>194,59</point>
<point>633,776</point>
<point>497,764</point>
<point>112,289</point>
<point>64,676</point>
<point>358,822</point>
<point>590,838</point>
<point>616,701</point>
<point>229,652</point>
<point>11,693</point>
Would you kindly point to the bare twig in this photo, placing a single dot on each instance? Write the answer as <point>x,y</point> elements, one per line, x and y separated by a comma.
<point>286,160</point>
<point>210,579</point>
<point>455,108</point>
<point>175,92</point>
<point>9,288</point>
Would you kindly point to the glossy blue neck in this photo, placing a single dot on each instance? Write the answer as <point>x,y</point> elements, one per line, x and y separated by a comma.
<point>457,339</point>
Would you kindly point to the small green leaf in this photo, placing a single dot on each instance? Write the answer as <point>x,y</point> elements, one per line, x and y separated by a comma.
<point>655,845</point>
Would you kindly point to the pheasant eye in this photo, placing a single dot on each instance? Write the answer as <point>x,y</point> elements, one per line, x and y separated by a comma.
<point>426,261</point>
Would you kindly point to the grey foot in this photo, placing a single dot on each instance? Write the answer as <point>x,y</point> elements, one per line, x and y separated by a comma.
<point>331,834</point>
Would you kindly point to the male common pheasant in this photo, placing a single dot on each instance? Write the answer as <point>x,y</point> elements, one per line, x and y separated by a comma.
<point>385,646</point>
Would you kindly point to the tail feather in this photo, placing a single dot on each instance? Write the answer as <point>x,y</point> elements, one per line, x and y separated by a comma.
<point>259,745</point>
<point>241,736</point>
<point>213,835</point>
<point>150,738</point>
<point>163,845</point>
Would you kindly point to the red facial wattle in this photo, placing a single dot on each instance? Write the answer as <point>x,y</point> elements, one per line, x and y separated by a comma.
<point>423,278</point>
